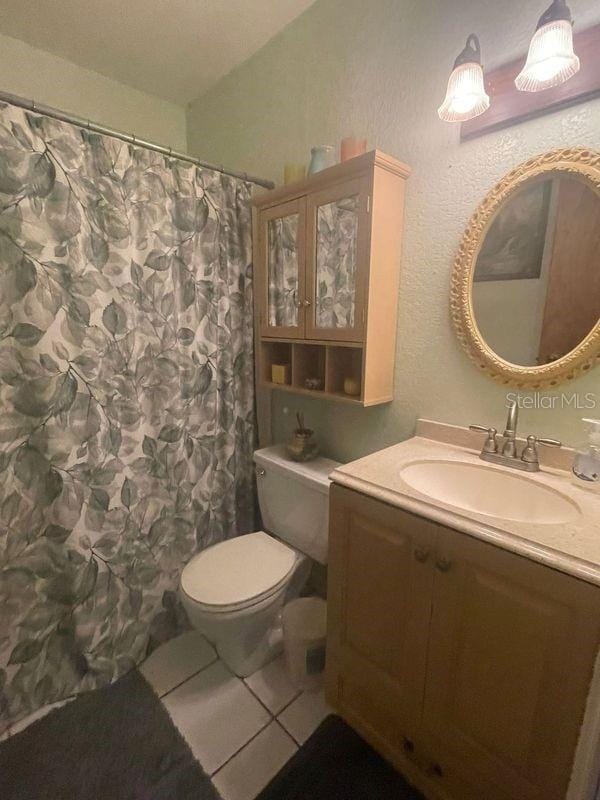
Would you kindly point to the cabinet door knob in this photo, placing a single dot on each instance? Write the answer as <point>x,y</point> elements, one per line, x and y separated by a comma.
<point>307,303</point>
<point>421,554</point>
<point>443,564</point>
<point>408,745</point>
<point>435,770</point>
<point>260,473</point>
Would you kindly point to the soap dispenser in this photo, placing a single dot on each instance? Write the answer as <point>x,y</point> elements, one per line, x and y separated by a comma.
<point>586,464</point>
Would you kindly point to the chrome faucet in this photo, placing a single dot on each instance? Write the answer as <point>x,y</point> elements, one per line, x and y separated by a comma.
<point>509,457</point>
<point>509,448</point>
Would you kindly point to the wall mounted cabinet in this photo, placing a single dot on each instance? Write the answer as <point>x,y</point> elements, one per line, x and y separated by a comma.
<point>466,665</point>
<point>327,260</point>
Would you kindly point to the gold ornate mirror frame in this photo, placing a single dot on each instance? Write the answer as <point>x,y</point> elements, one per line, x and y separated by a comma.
<point>576,162</point>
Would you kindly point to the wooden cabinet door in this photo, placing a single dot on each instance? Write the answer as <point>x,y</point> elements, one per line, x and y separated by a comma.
<point>511,655</point>
<point>379,602</point>
<point>337,261</point>
<point>281,269</point>
<point>572,305</point>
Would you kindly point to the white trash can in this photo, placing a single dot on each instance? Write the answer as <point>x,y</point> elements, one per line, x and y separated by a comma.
<point>304,636</point>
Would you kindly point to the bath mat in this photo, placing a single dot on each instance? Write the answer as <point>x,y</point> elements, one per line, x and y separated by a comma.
<point>115,743</point>
<point>336,763</point>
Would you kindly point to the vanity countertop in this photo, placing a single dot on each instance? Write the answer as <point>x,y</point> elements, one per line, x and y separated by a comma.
<point>572,547</point>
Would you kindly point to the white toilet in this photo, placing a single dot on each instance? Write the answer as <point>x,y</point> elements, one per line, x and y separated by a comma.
<point>233,591</point>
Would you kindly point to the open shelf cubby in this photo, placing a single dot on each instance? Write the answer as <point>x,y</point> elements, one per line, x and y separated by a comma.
<point>279,353</point>
<point>309,362</point>
<point>329,365</point>
<point>343,363</point>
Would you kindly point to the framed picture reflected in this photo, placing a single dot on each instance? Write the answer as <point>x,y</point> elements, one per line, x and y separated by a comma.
<point>513,248</point>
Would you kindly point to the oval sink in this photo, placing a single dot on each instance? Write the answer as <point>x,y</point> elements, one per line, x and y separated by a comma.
<point>489,491</point>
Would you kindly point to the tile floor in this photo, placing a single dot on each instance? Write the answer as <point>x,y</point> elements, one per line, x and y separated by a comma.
<point>241,731</point>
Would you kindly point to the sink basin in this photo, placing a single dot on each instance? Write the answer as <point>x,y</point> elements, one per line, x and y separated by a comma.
<point>489,491</point>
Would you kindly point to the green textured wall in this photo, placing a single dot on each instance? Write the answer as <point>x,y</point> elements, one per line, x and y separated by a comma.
<point>38,75</point>
<point>379,69</point>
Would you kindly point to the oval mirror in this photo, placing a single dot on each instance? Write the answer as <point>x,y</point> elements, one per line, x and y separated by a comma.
<point>526,285</point>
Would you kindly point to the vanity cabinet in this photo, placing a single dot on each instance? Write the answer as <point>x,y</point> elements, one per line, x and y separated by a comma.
<point>466,665</point>
<point>327,260</point>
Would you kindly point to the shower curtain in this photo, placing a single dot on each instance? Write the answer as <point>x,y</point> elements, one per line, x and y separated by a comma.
<point>126,397</point>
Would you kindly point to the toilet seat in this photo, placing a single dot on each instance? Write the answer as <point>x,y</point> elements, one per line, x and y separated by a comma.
<point>238,573</point>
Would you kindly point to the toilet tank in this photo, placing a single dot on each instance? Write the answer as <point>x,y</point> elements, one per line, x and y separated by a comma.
<point>294,499</point>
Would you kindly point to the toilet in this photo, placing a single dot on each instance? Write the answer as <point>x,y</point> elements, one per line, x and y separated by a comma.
<point>233,592</point>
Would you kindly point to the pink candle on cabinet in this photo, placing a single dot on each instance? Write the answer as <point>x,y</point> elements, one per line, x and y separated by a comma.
<point>351,147</point>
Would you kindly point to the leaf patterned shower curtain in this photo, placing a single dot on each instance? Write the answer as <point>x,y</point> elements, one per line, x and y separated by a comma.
<point>126,397</point>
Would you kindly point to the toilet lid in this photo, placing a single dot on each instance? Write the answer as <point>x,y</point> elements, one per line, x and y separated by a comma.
<point>237,570</point>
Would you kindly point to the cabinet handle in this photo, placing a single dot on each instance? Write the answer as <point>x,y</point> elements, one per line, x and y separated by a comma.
<point>307,303</point>
<point>260,473</point>
<point>421,554</point>
<point>443,564</point>
<point>435,770</point>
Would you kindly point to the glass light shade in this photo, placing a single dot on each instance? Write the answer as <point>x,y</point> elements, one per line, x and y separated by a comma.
<point>465,97</point>
<point>551,59</point>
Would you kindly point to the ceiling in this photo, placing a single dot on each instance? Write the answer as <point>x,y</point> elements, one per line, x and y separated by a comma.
<point>175,49</point>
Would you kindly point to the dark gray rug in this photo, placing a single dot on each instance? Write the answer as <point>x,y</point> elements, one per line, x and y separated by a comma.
<point>336,764</point>
<point>115,743</point>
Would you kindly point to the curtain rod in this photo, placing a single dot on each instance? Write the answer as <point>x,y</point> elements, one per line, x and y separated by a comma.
<point>48,111</point>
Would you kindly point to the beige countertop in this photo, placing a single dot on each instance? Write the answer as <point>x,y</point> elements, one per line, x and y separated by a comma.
<point>572,547</point>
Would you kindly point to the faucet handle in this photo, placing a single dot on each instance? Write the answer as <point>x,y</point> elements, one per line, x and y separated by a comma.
<point>550,442</point>
<point>530,453</point>
<point>490,445</point>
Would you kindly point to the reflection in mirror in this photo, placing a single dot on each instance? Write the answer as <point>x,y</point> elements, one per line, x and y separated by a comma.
<point>283,271</point>
<point>536,285</point>
<point>337,231</point>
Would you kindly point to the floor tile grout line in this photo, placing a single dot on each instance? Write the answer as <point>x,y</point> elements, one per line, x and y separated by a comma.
<point>272,718</point>
<point>285,730</point>
<point>274,714</point>
<point>243,682</point>
<point>256,697</point>
<point>193,675</point>
<point>265,665</point>
<point>239,750</point>
<point>299,692</point>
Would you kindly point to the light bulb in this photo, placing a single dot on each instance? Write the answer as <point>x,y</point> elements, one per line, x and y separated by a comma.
<point>465,96</point>
<point>551,59</point>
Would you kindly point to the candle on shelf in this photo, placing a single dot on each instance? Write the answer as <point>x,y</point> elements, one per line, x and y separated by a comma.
<point>280,373</point>
<point>292,173</point>
<point>351,146</point>
<point>352,387</point>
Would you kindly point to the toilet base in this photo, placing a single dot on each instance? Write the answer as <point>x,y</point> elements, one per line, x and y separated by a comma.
<point>248,639</point>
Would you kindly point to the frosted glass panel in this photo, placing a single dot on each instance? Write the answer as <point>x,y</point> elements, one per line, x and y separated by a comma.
<point>283,271</point>
<point>337,231</point>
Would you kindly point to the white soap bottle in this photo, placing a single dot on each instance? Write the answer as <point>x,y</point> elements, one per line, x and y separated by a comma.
<point>586,464</point>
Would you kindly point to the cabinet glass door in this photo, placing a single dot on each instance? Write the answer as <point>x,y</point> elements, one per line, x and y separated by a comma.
<point>336,262</point>
<point>283,249</point>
